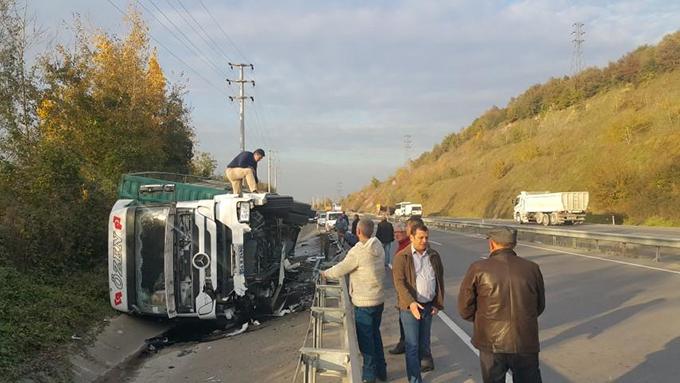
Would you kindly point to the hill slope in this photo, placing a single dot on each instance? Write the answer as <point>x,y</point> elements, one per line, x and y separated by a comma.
<point>613,131</point>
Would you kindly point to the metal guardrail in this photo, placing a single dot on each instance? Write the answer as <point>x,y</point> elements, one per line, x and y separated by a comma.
<point>624,239</point>
<point>342,362</point>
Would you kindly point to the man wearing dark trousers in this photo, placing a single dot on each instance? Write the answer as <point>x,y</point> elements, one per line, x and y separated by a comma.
<point>385,234</point>
<point>364,264</point>
<point>418,276</point>
<point>504,295</point>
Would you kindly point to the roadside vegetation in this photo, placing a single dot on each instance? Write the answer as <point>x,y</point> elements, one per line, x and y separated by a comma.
<point>70,125</point>
<point>612,131</point>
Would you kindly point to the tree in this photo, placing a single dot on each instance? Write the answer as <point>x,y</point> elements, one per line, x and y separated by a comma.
<point>203,164</point>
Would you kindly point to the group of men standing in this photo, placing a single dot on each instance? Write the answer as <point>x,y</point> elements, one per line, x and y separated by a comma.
<point>502,294</point>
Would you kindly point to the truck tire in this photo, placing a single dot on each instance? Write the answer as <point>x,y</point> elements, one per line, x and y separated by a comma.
<point>553,219</point>
<point>539,218</point>
<point>546,220</point>
<point>518,218</point>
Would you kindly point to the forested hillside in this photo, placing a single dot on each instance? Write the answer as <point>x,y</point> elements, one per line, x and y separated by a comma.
<point>70,125</point>
<point>613,131</point>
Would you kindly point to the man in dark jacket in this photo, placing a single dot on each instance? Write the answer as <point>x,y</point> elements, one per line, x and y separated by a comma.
<point>354,224</point>
<point>504,295</point>
<point>244,167</point>
<point>385,235</point>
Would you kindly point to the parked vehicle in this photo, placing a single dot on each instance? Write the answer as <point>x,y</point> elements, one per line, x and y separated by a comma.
<point>551,208</point>
<point>184,246</point>
<point>407,209</point>
<point>331,218</point>
<point>321,220</point>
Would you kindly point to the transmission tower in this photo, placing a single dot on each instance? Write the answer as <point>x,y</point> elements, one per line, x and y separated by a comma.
<point>241,98</point>
<point>577,54</point>
<point>408,144</point>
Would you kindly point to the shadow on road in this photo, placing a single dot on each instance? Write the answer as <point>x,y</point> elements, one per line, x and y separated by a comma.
<point>659,366</point>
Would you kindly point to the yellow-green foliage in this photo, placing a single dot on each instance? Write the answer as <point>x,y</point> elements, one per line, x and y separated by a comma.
<point>618,137</point>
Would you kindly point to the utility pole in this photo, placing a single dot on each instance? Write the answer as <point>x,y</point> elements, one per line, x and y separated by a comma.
<point>274,169</point>
<point>408,144</point>
<point>241,98</point>
<point>577,55</point>
<point>269,173</point>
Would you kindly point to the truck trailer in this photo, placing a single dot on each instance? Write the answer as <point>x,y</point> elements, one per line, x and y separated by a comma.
<point>185,246</point>
<point>548,208</point>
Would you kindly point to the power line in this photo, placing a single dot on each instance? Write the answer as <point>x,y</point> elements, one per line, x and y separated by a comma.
<point>224,33</point>
<point>214,45</point>
<point>173,54</point>
<point>195,49</point>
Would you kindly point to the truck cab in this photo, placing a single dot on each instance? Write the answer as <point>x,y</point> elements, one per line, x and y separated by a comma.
<point>408,209</point>
<point>181,246</point>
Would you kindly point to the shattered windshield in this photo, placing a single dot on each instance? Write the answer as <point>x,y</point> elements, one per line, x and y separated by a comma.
<point>149,258</point>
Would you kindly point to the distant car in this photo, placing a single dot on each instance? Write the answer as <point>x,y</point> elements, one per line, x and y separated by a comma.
<point>321,219</point>
<point>331,218</point>
<point>314,219</point>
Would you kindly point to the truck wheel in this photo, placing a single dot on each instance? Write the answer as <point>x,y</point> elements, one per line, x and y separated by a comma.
<point>539,218</point>
<point>553,219</point>
<point>518,218</point>
<point>546,220</point>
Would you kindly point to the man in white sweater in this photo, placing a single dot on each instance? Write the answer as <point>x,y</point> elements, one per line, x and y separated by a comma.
<point>365,265</point>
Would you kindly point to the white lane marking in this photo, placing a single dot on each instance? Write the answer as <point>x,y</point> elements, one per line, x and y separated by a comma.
<point>603,259</point>
<point>462,335</point>
<point>435,242</point>
<point>458,331</point>
<point>465,338</point>
<point>576,254</point>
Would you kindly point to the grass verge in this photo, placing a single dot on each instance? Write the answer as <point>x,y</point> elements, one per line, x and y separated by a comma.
<point>40,314</point>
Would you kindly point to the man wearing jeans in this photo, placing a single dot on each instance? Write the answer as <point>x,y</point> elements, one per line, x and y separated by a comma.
<point>419,280</point>
<point>364,264</point>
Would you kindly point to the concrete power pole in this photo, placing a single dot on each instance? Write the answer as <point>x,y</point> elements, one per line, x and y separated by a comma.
<point>241,98</point>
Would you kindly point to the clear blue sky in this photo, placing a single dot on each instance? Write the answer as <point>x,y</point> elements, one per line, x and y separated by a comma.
<point>339,83</point>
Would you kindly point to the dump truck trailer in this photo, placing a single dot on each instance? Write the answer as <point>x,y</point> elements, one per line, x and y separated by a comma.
<point>548,208</point>
<point>185,246</point>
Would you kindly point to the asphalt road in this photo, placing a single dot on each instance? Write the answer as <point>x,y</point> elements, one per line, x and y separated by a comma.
<point>604,322</point>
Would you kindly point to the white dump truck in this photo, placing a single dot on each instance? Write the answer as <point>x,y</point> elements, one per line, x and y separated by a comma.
<point>548,208</point>
<point>408,209</point>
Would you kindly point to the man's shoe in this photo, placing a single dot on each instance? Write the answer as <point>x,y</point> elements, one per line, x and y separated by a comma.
<point>382,378</point>
<point>398,349</point>
<point>426,364</point>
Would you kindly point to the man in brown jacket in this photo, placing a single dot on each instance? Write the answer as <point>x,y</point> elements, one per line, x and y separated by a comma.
<point>419,280</point>
<point>504,295</point>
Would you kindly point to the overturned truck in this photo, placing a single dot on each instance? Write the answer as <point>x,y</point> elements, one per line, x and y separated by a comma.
<point>185,246</point>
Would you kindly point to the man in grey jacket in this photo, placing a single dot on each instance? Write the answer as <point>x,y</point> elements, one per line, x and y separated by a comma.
<point>364,264</point>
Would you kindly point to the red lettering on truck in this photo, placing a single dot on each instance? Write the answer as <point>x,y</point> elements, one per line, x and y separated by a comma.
<point>118,298</point>
<point>116,223</point>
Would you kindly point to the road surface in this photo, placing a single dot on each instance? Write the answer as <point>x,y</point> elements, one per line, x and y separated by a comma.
<point>604,322</point>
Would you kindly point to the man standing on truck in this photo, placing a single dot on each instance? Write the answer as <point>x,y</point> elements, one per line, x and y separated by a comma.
<point>364,264</point>
<point>244,167</point>
<point>504,295</point>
